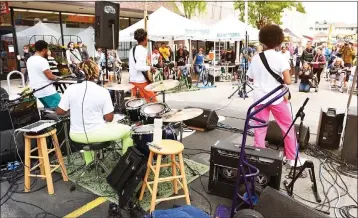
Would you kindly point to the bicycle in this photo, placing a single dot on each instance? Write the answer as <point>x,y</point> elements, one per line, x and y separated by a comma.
<point>203,76</point>
<point>184,77</point>
<point>158,75</point>
<point>169,71</point>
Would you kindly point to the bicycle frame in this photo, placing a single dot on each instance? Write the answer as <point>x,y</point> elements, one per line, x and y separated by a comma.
<point>243,162</point>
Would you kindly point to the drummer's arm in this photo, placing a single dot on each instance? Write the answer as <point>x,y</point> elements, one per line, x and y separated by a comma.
<point>108,109</point>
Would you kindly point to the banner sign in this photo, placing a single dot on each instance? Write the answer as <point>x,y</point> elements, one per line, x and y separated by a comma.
<point>81,19</point>
<point>4,8</point>
<point>346,37</point>
<point>228,35</point>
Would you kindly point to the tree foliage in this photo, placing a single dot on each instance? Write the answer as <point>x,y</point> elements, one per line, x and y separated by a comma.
<point>192,8</point>
<point>261,13</point>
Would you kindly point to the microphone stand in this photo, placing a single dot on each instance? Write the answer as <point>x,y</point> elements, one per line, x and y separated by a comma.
<point>308,164</point>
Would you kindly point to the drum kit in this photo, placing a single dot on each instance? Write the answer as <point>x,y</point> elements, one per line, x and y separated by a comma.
<point>138,110</point>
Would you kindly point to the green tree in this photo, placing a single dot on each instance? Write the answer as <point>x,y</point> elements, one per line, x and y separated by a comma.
<point>261,13</point>
<point>193,7</point>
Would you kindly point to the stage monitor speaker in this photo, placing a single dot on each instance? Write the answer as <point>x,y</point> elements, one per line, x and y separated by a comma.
<point>208,120</point>
<point>127,174</point>
<point>349,150</point>
<point>275,204</point>
<point>107,14</point>
<point>224,160</point>
<point>330,128</point>
<point>8,148</point>
<point>274,135</point>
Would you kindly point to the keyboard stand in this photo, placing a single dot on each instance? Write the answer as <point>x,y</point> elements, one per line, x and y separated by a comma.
<point>67,141</point>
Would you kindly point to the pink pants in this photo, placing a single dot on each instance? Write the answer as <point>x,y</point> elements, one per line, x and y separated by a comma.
<point>283,117</point>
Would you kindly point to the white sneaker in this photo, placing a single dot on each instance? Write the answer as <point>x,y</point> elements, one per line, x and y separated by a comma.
<point>341,90</point>
<point>300,162</point>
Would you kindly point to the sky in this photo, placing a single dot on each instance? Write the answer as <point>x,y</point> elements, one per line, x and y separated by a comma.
<point>332,11</point>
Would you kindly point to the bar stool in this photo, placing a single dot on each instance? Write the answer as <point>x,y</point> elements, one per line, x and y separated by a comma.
<point>46,168</point>
<point>170,148</point>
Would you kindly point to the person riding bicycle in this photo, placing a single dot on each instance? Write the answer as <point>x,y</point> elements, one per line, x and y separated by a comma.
<point>198,62</point>
<point>164,52</point>
<point>180,61</point>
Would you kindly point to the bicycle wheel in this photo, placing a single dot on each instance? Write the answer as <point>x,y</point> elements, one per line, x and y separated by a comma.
<point>205,77</point>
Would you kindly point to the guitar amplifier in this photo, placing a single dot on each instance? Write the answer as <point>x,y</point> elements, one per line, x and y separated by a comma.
<point>208,120</point>
<point>224,161</point>
<point>127,174</point>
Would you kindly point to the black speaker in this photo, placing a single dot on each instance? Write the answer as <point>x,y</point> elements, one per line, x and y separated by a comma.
<point>107,14</point>
<point>330,128</point>
<point>275,204</point>
<point>349,150</point>
<point>274,135</point>
<point>127,174</point>
<point>3,94</point>
<point>224,160</point>
<point>208,120</point>
<point>9,146</point>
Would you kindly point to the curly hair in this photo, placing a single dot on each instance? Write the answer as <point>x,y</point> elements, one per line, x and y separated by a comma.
<point>140,35</point>
<point>271,36</point>
<point>90,69</point>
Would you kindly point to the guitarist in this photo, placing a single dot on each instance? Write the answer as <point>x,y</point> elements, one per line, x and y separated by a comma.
<point>138,67</point>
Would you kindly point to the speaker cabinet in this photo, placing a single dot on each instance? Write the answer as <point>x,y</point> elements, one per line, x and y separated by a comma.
<point>330,128</point>
<point>208,120</point>
<point>275,204</point>
<point>349,150</point>
<point>107,15</point>
<point>274,135</point>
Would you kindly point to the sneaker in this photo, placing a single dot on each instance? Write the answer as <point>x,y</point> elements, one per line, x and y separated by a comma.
<point>300,162</point>
<point>316,90</point>
<point>341,90</point>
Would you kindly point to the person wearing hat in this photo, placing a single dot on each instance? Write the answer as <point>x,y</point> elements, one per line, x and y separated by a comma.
<point>83,51</point>
<point>347,53</point>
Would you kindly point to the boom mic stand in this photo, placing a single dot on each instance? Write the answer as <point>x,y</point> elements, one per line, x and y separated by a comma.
<point>243,79</point>
<point>308,164</point>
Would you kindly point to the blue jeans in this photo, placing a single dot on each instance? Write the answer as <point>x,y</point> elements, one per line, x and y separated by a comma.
<point>199,68</point>
<point>51,101</point>
<point>304,87</point>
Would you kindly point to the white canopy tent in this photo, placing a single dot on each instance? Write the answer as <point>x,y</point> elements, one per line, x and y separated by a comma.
<point>165,25</point>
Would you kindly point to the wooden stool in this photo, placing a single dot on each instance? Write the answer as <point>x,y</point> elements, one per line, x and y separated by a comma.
<point>170,148</point>
<point>43,156</point>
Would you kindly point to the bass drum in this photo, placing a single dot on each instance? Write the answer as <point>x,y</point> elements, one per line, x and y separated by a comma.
<point>153,110</point>
<point>133,107</point>
<point>142,135</point>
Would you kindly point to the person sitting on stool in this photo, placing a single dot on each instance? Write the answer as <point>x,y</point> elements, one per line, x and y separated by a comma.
<point>92,111</point>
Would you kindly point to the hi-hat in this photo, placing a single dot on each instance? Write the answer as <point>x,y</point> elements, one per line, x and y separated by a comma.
<point>162,85</point>
<point>181,115</point>
<point>119,87</point>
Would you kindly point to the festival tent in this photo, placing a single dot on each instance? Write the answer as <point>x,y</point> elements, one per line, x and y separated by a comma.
<point>230,29</point>
<point>164,24</point>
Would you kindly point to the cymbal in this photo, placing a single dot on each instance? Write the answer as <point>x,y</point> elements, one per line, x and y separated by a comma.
<point>162,85</point>
<point>181,115</point>
<point>119,87</point>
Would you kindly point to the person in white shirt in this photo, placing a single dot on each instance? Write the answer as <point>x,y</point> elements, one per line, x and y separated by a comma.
<point>286,54</point>
<point>91,111</point>
<point>272,36</point>
<point>73,56</point>
<point>138,67</point>
<point>40,75</point>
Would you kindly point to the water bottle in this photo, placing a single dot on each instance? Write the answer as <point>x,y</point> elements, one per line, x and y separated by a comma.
<point>157,135</point>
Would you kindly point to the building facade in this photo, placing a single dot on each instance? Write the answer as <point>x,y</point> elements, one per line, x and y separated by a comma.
<point>66,21</point>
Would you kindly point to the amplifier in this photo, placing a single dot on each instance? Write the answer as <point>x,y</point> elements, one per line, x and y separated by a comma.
<point>349,150</point>
<point>208,120</point>
<point>224,161</point>
<point>330,128</point>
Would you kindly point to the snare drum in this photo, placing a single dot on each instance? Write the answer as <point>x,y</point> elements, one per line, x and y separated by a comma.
<point>153,110</point>
<point>133,107</point>
<point>142,135</point>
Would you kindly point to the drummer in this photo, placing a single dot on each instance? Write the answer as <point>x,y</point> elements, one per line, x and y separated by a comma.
<point>92,112</point>
<point>138,67</point>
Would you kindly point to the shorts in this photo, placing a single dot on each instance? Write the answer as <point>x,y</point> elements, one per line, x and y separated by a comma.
<point>51,101</point>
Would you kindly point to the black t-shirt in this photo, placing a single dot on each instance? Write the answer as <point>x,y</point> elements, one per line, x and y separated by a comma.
<point>305,76</point>
<point>230,56</point>
<point>181,58</point>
